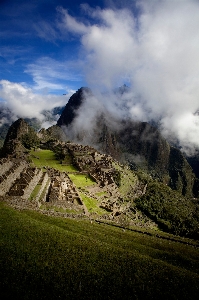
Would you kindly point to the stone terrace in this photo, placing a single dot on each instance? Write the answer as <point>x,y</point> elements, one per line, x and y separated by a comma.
<point>10,171</point>
<point>24,185</point>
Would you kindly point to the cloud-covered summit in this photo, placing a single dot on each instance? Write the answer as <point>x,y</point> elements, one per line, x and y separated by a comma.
<point>156,52</point>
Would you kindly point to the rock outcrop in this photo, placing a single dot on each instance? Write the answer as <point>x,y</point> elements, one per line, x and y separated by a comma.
<point>20,135</point>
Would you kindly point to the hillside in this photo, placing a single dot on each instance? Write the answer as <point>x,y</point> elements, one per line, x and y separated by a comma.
<point>76,223</point>
<point>64,178</point>
<point>56,258</point>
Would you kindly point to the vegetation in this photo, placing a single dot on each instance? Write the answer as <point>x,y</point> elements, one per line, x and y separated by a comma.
<point>169,209</point>
<point>60,209</point>
<point>30,140</point>
<point>127,180</point>
<point>92,205</point>
<point>55,258</point>
<point>35,192</point>
<point>81,180</point>
<point>172,211</point>
<point>48,158</point>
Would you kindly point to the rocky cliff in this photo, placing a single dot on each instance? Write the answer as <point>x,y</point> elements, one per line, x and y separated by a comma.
<point>137,143</point>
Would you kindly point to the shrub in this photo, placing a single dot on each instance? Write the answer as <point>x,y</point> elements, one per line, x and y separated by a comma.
<point>30,140</point>
<point>172,211</point>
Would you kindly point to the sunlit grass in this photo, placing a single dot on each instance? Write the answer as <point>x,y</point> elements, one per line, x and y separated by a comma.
<point>99,194</point>
<point>47,158</point>
<point>81,180</point>
<point>92,205</point>
<point>55,258</point>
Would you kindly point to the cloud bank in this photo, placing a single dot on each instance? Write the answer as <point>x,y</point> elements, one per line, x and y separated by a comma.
<point>25,103</point>
<point>156,52</point>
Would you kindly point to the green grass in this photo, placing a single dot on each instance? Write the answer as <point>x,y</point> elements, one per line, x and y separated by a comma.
<point>99,194</point>
<point>43,158</point>
<point>128,179</point>
<point>60,209</point>
<point>81,181</point>
<point>92,205</point>
<point>35,192</point>
<point>55,258</point>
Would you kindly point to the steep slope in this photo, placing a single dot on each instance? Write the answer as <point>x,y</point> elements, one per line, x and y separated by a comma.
<point>19,137</point>
<point>81,179</point>
<point>137,143</point>
<point>54,258</point>
<point>72,106</point>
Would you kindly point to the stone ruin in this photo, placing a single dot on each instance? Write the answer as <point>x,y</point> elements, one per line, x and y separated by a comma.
<point>62,191</point>
<point>25,184</point>
<point>56,190</point>
<point>88,160</point>
<point>18,180</point>
<point>10,171</point>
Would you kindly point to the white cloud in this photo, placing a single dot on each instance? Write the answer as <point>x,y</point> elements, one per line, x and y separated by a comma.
<point>46,31</point>
<point>156,51</point>
<point>23,102</point>
<point>49,74</point>
<point>70,23</point>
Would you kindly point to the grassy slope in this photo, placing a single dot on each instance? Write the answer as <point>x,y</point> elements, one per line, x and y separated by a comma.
<point>47,158</point>
<point>53,258</point>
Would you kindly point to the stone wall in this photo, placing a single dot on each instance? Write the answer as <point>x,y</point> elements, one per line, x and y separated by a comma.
<point>5,165</point>
<point>24,185</point>
<point>44,182</point>
<point>8,178</point>
<point>62,191</point>
<point>32,183</point>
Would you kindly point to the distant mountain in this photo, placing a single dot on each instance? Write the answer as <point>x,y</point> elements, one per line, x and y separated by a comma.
<point>137,143</point>
<point>7,117</point>
<point>69,112</point>
<point>86,121</point>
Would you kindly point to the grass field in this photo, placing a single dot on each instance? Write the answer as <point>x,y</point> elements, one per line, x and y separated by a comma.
<point>54,258</point>
<point>43,158</point>
<point>92,205</point>
<point>81,181</point>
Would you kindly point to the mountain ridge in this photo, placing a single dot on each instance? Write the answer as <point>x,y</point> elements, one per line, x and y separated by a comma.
<point>137,143</point>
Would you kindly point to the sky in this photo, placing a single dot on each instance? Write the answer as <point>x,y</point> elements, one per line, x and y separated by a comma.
<point>53,47</point>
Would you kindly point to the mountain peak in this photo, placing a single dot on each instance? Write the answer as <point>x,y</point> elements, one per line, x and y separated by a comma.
<point>13,143</point>
<point>73,104</point>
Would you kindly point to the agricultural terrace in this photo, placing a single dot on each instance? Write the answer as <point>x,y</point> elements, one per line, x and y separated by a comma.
<point>42,158</point>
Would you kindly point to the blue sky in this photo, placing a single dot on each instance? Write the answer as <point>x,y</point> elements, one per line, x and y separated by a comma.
<point>33,50</point>
<point>37,50</point>
<point>49,48</point>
